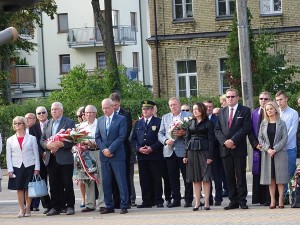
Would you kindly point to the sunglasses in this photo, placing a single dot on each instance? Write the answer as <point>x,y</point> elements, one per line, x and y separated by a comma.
<point>185,110</point>
<point>266,99</point>
<point>79,116</point>
<point>18,123</point>
<point>230,96</point>
<point>41,113</point>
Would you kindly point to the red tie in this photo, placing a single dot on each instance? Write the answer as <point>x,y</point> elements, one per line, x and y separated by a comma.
<point>230,118</point>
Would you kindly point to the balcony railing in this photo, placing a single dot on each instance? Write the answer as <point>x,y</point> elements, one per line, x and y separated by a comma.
<point>22,76</point>
<point>91,36</point>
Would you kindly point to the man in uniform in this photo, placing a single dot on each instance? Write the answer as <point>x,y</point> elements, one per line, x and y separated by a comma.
<point>150,156</point>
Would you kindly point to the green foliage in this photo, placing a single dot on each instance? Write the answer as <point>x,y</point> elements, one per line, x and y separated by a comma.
<point>3,82</point>
<point>270,71</point>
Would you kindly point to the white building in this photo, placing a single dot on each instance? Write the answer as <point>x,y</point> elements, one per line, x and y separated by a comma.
<point>73,38</point>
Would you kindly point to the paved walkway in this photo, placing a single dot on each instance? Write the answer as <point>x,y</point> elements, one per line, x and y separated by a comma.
<point>176,216</point>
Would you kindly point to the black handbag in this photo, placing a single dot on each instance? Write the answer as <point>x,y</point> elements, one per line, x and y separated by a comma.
<point>295,198</point>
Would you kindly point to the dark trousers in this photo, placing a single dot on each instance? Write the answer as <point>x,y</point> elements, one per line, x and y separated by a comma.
<point>175,166</point>
<point>115,189</point>
<point>235,171</point>
<point>150,181</point>
<point>165,176</point>
<point>115,169</point>
<point>219,176</point>
<point>61,184</point>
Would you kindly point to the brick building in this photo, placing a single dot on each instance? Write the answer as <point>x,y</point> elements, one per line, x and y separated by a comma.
<point>188,57</point>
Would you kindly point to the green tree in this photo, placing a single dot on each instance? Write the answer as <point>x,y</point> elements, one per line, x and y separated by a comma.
<point>22,20</point>
<point>270,71</point>
<point>104,22</point>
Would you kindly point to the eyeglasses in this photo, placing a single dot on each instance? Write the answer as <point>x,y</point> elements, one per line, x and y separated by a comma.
<point>185,110</point>
<point>266,99</point>
<point>18,123</point>
<point>41,113</point>
<point>79,116</point>
<point>230,96</point>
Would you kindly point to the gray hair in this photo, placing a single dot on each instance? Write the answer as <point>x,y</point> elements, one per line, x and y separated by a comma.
<point>58,104</point>
<point>94,109</point>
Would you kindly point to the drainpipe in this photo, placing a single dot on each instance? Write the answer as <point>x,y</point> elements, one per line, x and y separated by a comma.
<point>156,50</point>
<point>142,45</point>
<point>43,56</point>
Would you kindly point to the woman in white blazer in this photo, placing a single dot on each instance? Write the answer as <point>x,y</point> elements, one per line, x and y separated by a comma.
<point>22,158</point>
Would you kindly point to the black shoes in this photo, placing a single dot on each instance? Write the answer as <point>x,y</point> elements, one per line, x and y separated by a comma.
<point>169,202</point>
<point>107,210</point>
<point>232,206</point>
<point>174,204</point>
<point>218,203</point>
<point>70,211</point>
<point>142,206</point>
<point>160,205</point>
<point>123,211</point>
<point>46,210</point>
<point>52,212</point>
<point>101,209</point>
<point>187,204</point>
<point>87,209</point>
<point>243,206</point>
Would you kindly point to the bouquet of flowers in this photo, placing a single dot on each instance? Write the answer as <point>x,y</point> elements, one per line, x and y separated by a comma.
<point>178,125</point>
<point>70,135</point>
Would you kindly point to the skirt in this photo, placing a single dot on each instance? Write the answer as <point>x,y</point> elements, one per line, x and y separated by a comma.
<point>197,169</point>
<point>23,177</point>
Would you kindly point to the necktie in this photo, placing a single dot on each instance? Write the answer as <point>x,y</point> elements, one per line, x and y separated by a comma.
<point>146,122</point>
<point>42,127</point>
<point>107,125</point>
<point>230,117</point>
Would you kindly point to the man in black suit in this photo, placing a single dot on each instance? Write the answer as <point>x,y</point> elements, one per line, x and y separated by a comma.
<point>116,98</point>
<point>36,130</point>
<point>150,156</point>
<point>231,130</point>
<point>59,160</point>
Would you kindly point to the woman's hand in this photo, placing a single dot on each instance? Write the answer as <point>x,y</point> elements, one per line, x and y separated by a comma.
<point>271,152</point>
<point>209,161</point>
<point>185,160</point>
<point>36,172</point>
<point>11,174</point>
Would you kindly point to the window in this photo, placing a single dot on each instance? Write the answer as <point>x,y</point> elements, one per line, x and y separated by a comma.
<point>64,62</point>
<point>186,78</point>
<point>224,84</point>
<point>62,23</point>
<point>133,20</point>
<point>183,9</point>
<point>115,17</point>
<point>270,7</point>
<point>135,60</point>
<point>101,59</point>
<point>225,8</point>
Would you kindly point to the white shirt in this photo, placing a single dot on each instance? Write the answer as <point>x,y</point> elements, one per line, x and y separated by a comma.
<point>234,110</point>
<point>90,128</point>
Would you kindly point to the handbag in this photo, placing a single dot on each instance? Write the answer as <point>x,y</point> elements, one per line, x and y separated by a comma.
<point>37,188</point>
<point>295,198</point>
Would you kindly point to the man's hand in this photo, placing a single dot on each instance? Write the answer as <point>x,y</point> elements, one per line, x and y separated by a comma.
<point>145,150</point>
<point>229,143</point>
<point>209,161</point>
<point>53,146</point>
<point>169,142</point>
<point>107,153</point>
<point>185,160</point>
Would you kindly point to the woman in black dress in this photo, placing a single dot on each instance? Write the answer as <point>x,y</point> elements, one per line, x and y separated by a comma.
<point>22,158</point>
<point>199,153</point>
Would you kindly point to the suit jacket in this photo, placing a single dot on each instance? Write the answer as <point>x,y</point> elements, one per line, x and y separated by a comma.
<point>280,157</point>
<point>114,140</point>
<point>163,135</point>
<point>241,126</point>
<point>128,118</point>
<point>216,152</point>
<point>64,155</point>
<point>35,130</point>
<point>29,155</point>
<point>147,135</point>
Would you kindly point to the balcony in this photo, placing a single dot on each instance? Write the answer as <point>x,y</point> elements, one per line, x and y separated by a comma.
<point>22,77</point>
<point>91,36</point>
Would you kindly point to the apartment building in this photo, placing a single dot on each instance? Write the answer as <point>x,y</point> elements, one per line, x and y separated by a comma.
<point>189,40</point>
<point>73,38</point>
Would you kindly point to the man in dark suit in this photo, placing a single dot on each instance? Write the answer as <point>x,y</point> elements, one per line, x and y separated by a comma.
<point>36,130</point>
<point>110,135</point>
<point>59,160</point>
<point>217,166</point>
<point>150,156</point>
<point>231,130</point>
<point>116,98</point>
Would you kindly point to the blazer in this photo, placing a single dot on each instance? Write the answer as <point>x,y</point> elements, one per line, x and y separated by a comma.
<point>29,154</point>
<point>114,140</point>
<point>280,157</point>
<point>147,135</point>
<point>35,130</point>
<point>64,155</point>
<point>241,126</point>
<point>163,135</point>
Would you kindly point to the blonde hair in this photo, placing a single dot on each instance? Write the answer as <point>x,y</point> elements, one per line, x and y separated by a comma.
<point>19,119</point>
<point>274,105</point>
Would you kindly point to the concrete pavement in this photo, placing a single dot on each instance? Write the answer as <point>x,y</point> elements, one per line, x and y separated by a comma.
<point>175,216</point>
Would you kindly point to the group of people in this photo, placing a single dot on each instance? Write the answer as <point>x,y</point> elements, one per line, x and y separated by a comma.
<point>206,145</point>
